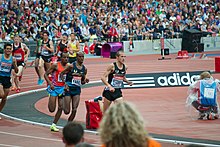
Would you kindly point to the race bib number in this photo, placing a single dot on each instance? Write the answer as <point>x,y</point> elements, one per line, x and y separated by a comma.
<point>76,80</point>
<point>18,56</point>
<point>5,67</point>
<point>59,78</point>
<point>45,52</point>
<point>117,82</point>
<point>209,93</point>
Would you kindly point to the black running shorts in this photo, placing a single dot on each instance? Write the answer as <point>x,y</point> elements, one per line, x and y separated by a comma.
<point>111,96</point>
<point>5,82</point>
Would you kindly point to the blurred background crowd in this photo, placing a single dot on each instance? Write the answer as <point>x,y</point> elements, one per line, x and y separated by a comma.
<point>118,20</point>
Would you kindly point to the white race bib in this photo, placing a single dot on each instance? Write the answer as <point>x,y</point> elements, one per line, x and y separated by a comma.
<point>59,78</point>
<point>209,93</point>
<point>76,80</point>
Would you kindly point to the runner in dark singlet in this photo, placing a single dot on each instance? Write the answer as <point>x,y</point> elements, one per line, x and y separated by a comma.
<point>113,78</point>
<point>76,76</point>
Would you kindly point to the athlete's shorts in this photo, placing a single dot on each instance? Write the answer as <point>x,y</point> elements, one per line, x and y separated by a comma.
<point>111,96</point>
<point>5,82</point>
<point>58,91</point>
<point>38,55</point>
<point>20,63</point>
<point>72,59</point>
<point>46,58</point>
<point>73,91</point>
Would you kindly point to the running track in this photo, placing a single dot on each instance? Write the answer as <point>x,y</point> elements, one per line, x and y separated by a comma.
<point>162,108</point>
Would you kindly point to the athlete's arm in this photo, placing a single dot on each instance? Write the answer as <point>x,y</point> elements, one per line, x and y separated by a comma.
<point>65,71</point>
<point>126,80</point>
<point>51,48</point>
<point>48,72</point>
<point>27,51</point>
<point>77,47</point>
<point>85,79</point>
<point>69,48</point>
<point>15,65</point>
<point>37,47</point>
<point>104,77</point>
<point>57,48</point>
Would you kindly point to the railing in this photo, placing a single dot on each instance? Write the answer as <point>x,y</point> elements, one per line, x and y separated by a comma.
<point>210,43</point>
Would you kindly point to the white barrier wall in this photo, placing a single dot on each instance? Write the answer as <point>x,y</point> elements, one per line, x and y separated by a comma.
<point>174,45</point>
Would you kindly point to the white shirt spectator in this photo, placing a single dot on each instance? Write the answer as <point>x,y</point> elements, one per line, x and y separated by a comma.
<point>65,29</point>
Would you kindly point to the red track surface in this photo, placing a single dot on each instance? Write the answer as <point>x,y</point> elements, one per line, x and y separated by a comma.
<point>162,108</point>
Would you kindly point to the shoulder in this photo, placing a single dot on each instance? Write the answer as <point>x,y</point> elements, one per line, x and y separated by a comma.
<point>54,65</point>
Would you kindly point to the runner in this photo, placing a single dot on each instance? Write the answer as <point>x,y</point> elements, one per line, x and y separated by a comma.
<point>21,53</point>
<point>76,76</point>
<point>7,62</point>
<point>47,50</point>
<point>38,60</point>
<point>73,48</point>
<point>56,88</point>
<point>62,46</point>
<point>115,74</point>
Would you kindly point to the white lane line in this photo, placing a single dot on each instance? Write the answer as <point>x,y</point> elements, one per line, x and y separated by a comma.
<point>29,136</point>
<point>93,132</point>
<point>179,142</point>
<point>9,145</point>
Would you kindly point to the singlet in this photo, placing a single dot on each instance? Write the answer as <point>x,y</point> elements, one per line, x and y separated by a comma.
<point>73,48</point>
<point>62,48</point>
<point>18,52</point>
<point>74,77</point>
<point>115,79</point>
<point>5,66</point>
<point>45,52</point>
<point>207,93</point>
<point>56,80</point>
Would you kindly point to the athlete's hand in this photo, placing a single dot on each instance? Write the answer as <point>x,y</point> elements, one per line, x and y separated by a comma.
<point>66,88</point>
<point>52,87</point>
<point>111,89</point>
<point>87,80</point>
<point>130,83</point>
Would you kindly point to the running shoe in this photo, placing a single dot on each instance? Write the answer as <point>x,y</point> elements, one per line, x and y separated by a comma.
<point>54,128</point>
<point>212,116</point>
<point>18,90</point>
<point>13,88</point>
<point>202,116</point>
<point>40,81</point>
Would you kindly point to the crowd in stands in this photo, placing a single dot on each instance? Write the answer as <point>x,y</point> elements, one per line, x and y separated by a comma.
<point>107,19</point>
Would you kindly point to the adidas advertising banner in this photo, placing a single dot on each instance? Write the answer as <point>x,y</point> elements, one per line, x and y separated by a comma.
<point>157,80</point>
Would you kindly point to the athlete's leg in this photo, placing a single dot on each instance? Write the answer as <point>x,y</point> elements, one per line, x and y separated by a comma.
<point>3,95</point>
<point>39,67</point>
<point>20,71</point>
<point>106,104</point>
<point>75,104</point>
<point>53,127</point>
<point>59,111</point>
<point>13,75</point>
<point>52,103</point>
<point>118,100</point>
<point>36,66</point>
<point>46,66</point>
<point>66,104</point>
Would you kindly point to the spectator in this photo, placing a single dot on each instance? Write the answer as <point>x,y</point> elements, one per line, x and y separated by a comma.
<point>123,126</point>
<point>84,145</point>
<point>73,134</point>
